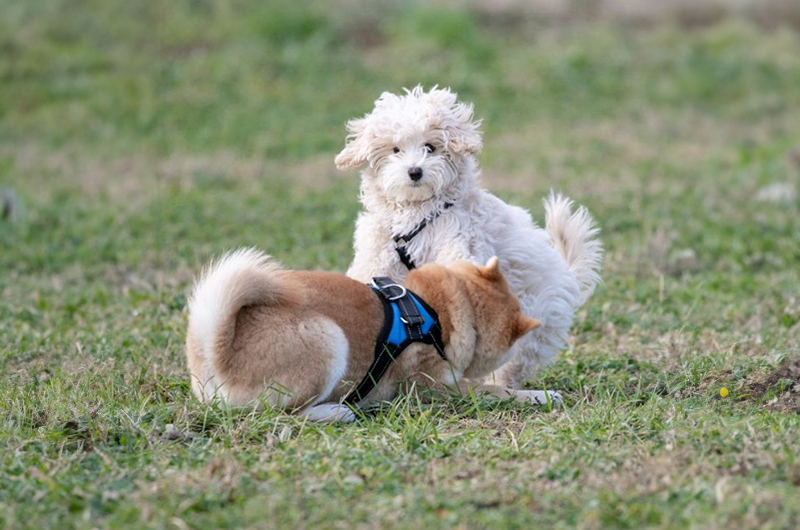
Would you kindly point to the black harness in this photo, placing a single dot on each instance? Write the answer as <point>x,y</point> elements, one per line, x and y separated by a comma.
<point>401,241</point>
<point>407,319</point>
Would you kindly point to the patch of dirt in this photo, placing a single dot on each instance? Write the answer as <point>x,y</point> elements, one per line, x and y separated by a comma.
<point>688,14</point>
<point>781,387</point>
<point>794,155</point>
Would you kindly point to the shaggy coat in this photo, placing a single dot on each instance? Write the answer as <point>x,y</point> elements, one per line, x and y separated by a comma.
<point>432,137</point>
<point>300,340</point>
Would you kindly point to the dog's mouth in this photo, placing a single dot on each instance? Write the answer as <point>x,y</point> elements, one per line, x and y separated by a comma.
<point>414,194</point>
<point>408,191</point>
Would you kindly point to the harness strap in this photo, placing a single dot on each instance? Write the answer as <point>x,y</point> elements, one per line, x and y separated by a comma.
<point>407,319</point>
<point>401,241</point>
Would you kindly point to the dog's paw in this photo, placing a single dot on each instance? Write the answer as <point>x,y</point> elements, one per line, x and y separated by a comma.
<point>330,412</point>
<point>538,397</point>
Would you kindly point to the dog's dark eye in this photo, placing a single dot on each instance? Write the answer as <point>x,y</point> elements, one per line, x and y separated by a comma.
<point>430,148</point>
<point>396,150</point>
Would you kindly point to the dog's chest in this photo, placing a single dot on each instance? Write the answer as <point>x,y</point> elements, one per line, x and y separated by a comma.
<point>438,241</point>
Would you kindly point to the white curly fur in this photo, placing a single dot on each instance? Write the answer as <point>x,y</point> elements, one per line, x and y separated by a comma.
<point>552,271</point>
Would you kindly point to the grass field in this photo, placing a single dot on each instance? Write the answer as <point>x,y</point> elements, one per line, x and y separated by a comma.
<point>143,138</point>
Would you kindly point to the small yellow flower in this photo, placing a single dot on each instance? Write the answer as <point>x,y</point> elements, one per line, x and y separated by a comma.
<point>723,392</point>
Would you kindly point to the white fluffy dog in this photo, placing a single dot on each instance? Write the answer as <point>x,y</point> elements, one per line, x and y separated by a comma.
<point>423,203</point>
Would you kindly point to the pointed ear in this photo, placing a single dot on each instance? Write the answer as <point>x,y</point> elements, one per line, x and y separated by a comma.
<point>357,149</point>
<point>464,135</point>
<point>525,325</point>
<point>491,271</point>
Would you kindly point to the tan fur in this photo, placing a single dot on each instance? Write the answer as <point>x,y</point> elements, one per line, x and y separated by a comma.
<point>289,332</point>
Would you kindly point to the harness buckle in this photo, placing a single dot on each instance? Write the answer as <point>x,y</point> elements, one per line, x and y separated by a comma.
<point>385,289</point>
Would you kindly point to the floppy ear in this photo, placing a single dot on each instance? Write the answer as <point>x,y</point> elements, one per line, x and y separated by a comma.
<point>524,325</point>
<point>492,269</point>
<point>356,150</point>
<point>464,135</point>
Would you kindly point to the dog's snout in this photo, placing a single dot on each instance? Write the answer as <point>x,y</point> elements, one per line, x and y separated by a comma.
<point>415,173</point>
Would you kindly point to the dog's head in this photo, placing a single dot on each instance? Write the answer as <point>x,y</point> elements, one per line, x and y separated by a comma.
<point>414,143</point>
<point>498,315</point>
<point>494,322</point>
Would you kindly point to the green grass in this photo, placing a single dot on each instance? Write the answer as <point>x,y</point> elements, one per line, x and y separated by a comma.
<point>142,138</point>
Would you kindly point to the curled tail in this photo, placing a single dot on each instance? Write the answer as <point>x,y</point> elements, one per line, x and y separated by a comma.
<point>575,237</point>
<point>238,279</point>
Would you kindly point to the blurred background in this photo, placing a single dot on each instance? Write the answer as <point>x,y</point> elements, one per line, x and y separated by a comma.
<point>615,100</point>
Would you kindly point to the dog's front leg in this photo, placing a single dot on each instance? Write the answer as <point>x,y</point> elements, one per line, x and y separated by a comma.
<point>374,250</point>
<point>537,397</point>
<point>466,388</point>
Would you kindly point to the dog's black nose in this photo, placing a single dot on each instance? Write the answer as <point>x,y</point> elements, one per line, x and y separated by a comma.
<point>415,173</point>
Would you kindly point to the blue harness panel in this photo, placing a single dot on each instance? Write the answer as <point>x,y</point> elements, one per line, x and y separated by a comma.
<point>399,331</point>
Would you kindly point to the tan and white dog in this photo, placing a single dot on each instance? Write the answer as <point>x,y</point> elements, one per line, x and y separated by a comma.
<point>299,340</point>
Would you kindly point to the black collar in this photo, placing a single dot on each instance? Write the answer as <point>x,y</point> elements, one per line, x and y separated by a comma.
<point>407,319</point>
<point>400,241</point>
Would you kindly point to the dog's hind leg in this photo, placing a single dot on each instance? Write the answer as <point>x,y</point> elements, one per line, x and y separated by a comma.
<point>329,412</point>
<point>537,397</point>
<point>289,358</point>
